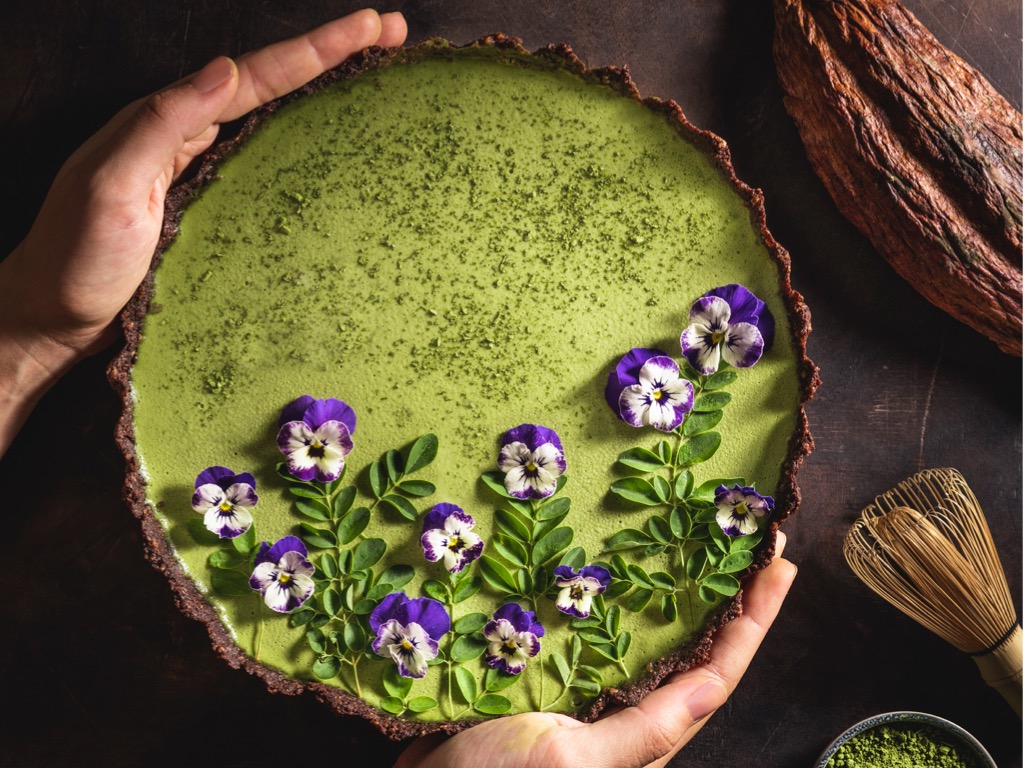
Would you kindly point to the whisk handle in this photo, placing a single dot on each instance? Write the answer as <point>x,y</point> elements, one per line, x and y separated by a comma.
<point>1001,668</point>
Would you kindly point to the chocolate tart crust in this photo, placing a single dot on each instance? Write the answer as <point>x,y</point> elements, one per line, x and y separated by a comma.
<point>157,549</point>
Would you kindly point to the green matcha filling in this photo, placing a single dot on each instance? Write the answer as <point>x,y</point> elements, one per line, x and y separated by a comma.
<point>455,247</point>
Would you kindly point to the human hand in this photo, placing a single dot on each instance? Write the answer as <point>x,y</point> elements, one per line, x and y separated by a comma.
<point>648,734</point>
<point>91,244</point>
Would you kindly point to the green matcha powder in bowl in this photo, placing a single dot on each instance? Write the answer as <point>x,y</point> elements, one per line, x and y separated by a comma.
<point>905,740</point>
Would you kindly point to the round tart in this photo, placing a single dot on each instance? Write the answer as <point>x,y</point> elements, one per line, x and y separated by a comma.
<point>465,383</point>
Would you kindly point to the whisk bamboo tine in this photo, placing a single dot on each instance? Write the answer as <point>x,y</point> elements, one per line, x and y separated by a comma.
<point>925,547</point>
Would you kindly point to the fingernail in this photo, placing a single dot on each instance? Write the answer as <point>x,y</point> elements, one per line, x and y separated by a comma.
<point>213,75</point>
<point>705,700</point>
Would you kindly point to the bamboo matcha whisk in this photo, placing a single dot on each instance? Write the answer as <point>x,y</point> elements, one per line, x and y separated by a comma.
<point>925,547</point>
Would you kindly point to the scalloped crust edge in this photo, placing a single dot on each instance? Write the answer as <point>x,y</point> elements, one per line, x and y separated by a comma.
<point>157,549</point>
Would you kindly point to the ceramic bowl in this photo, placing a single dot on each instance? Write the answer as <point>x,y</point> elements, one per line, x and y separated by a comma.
<point>970,746</point>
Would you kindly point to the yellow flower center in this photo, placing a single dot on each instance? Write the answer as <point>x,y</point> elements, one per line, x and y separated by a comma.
<point>717,336</point>
<point>284,578</point>
<point>406,645</point>
<point>531,467</point>
<point>225,506</point>
<point>658,394</point>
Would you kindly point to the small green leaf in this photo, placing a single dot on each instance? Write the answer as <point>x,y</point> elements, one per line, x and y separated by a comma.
<point>701,422</point>
<point>230,583</point>
<point>613,620</point>
<point>639,576</point>
<point>605,649</point>
<point>722,583</point>
<point>364,606</point>
<point>592,636</point>
<point>749,541</point>
<point>345,561</point>
<point>719,537</point>
<point>735,562</point>
<point>698,448</point>
<point>321,538</point>
<point>711,401</point>
<point>328,565</point>
<point>421,453</point>
<point>661,487</point>
<point>466,683</point>
<point>394,463</point>
<point>305,491</point>
<point>618,588</point>
<point>663,580</point>
<point>332,601</point>
<point>707,595</point>
<point>496,680</point>
<point>401,505</point>
<point>392,704</point>
<point>523,581</point>
<point>554,508</point>
<point>684,484</point>
<point>313,509</point>
<point>511,550</point>
<point>471,622</point>
<point>719,380</point>
<point>246,542</point>
<point>679,523</point>
<point>416,487</point>
<point>395,684</point>
<point>301,617</point>
<point>637,490</point>
<point>660,530</point>
<point>552,544</point>
<point>496,482</point>
<point>380,590</point>
<point>641,459</point>
<point>316,641</point>
<point>355,637</point>
<point>695,564</point>
<point>592,672</point>
<point>497,575</point>
<point>639,600</point>
<point>436,589</point>
<point>468,647</point>
<point>467,589</point>
<point>618,567</point>
<point>397,576</point>
<point>343,501</point>
<point>669,608</point>
<point>512,524</point>
<point>201,534</point>
<point>353,524</point>
<point>653,550</point>
<point>560,666</point>
<point>588,687</point>
<point>378,474</point>
<point>577,649</point>
<point>704,516</point>
<point>714,554</point>
<point>368,552</point>
<point>492,704</point>
<point>622,645</point>
<point>422,704</point>
<point>630,538</point>
<point>575,558</point>
<point>665,451</point>
<point>326,667</point>
<point>226,558</point>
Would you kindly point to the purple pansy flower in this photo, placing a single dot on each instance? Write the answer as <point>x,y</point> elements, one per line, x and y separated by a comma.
<point>408,630</point>
<point>532,459</point>
<point>727,323</point>
<point>577,590</point>
<point>739,507</point>
<point>512,637</point>
<point>448,536</point>
<point>225,500</point>
<point>659,399</point>
<point>282,574</point>
<point>316,435</point>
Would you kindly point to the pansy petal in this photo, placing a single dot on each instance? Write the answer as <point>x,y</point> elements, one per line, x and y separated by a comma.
<point>228,524</point>
<point>295,410</point>
<point>435,544</point>
<point>336,435</point>
<point>429,614</point>
<point>242,495</point>
<point>285,545</point>
<point>742,345</point>
<point>513,455</point>
<point>387,609</point>
<point>626,373</point>
<point>262,576</point>
<point>712,312</point>
<point>657,371</point>
<point>388,633</point>
<point>598,573</point>
<point>330,409</point>
<point>436,516</point>
<point>207,496</point>
<point>212,475</point>
<point>293,436</point>
<point>518,483</point>
<point>550,457</point>
<point>699,350</point>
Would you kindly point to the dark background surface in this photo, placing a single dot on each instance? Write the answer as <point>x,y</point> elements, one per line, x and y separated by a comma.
<point>97,666</point>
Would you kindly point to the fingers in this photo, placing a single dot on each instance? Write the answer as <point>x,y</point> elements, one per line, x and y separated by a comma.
<point>667,718</point>
<point>281,68</point>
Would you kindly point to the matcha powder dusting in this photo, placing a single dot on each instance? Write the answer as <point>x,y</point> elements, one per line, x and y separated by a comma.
<point>887,747</point>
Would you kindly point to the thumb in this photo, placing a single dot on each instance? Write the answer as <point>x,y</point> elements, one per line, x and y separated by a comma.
<point>162,133</point>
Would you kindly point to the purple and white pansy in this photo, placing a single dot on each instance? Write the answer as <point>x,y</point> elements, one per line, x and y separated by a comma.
<point>513,637</point>
<point>448,536</point>
<point>576,590</point>
<point>225,500</point>
<point>532,459</point>
<point>408,631</point>
<point>315,436</point>
<point>739,508</point>
<point>648,390</point>
<point>282,574</point>
<point>728,323</point>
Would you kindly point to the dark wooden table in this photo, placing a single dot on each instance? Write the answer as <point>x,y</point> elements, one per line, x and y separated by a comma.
<point>97,666</point>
